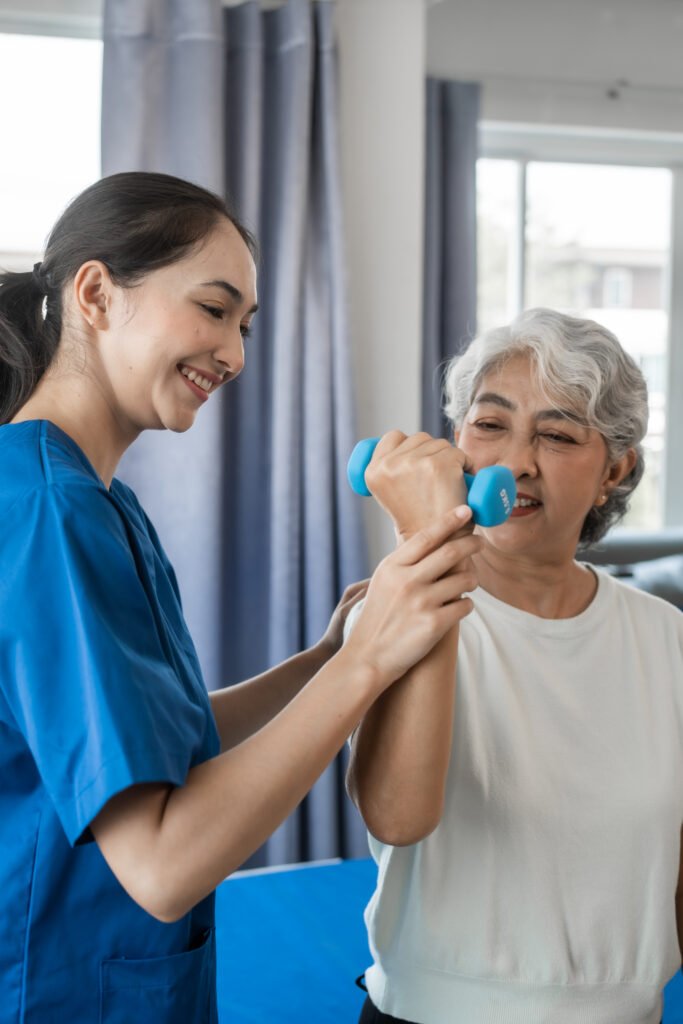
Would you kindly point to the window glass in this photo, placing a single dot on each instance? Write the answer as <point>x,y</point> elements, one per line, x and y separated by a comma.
<point>596,245</point>
<point>497,233</point>
<point>51,136</point>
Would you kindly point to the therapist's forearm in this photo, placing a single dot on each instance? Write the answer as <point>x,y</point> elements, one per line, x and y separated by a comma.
<point>401,750</point>
<point>170,847</point>
<point>243,709</point>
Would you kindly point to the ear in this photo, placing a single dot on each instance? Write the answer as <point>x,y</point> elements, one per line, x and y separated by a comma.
<point>615,473</point>
<point>93,292</point>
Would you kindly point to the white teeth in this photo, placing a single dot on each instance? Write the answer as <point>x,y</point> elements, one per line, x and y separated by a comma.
<point>526,502</point>
<point>203,382</point>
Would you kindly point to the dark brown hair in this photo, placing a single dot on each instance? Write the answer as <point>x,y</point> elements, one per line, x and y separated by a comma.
<point>134,223</point>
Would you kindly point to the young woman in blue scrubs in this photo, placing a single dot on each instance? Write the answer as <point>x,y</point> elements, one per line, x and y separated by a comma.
<point>127,793</point>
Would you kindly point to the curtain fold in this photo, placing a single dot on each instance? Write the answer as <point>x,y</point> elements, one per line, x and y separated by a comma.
<point>162,110</point>
<point>450,267</point>
<point>252,503</point>
<point>293,406</point>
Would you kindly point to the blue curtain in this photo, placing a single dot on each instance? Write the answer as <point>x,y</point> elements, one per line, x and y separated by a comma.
<point>252,503</point>
<point>450,272</point>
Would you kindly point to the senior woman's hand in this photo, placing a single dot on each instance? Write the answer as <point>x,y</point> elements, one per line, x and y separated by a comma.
<point>416,478</point>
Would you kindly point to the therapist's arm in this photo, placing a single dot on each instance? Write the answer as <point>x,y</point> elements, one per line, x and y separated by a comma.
<point>171,846</point>
<point>243,709</point>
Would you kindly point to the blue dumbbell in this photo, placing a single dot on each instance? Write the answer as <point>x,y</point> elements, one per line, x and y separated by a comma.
<point>490,494</point>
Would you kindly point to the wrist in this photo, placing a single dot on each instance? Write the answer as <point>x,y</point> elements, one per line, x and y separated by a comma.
<point>322,651</point>
<point>361,671</point>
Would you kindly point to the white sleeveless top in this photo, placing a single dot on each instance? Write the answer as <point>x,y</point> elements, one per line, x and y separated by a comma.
<point>546,894</point>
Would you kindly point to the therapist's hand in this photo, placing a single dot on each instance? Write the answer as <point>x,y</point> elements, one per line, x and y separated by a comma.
<point>334,634</point>
<point>416,479</point>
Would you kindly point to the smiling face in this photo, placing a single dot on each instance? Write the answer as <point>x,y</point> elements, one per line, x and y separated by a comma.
<point>561,466</point>
<point>174,339</point>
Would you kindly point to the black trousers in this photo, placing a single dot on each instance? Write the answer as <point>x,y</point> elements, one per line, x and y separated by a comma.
<point>371,1015</point>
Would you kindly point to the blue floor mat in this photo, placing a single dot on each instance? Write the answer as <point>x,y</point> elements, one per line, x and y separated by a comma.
<point>290,943</point>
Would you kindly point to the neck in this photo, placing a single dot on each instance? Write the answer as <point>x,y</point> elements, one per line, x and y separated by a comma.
<point>79,406</point>
<point>553,589</point>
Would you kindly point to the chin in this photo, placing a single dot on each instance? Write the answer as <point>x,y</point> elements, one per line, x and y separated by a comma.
<point>509,539</point>
<point>178,421</point>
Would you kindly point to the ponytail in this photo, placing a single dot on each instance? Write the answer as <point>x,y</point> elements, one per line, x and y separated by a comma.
<point>135,222</point>
<point>29,335</point>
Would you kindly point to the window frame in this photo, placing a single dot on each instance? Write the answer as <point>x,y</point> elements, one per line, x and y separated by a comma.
<point>84,21</point>
<point>550,144</point>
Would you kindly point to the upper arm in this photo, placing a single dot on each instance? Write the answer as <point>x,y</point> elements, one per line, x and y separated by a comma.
<point>84,669</point>
<point>126,831</point>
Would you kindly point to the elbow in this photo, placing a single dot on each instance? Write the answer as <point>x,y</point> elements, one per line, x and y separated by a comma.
<point>152,892</point>
<point>402,836</point>
<point>393,830</point>
<point>165,912</point>
<point>395,822</point>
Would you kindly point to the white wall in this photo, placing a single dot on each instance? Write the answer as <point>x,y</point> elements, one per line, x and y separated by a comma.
<point>561,61</point>
<point>382,71</point>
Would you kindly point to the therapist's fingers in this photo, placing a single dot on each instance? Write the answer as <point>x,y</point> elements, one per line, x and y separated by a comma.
<point>433,536</point>
<point>411,602</point>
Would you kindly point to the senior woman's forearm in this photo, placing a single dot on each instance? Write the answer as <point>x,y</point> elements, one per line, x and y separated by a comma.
<point>401,750</point>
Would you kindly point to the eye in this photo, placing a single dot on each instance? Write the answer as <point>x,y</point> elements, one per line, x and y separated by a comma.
<point>487,425</point>
<point>245,330</point>
<point>215,311</point>
<point>558,438</point>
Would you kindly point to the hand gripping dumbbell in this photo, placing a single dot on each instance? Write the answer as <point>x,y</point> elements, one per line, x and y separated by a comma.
<point>490,494</point>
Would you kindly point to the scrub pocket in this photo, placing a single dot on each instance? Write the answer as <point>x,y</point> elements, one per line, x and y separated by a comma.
<point>178,989</point>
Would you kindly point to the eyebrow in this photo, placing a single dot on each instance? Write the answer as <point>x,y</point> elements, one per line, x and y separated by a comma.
<point>492,398</point>
<point>233,292</point>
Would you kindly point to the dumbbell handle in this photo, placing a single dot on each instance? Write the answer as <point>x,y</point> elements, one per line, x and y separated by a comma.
<point>491,492</point>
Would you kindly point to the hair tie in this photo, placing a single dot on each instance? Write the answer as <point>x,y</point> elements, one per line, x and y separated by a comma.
<point>39,278</point>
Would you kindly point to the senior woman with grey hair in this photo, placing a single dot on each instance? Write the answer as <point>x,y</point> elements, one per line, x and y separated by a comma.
<point>522,784</point>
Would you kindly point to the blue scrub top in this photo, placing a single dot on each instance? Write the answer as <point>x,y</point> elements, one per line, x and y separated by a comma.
<point>100,688</point>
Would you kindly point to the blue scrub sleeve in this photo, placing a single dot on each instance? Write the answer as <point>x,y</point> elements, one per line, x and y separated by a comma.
<point>86,664</point>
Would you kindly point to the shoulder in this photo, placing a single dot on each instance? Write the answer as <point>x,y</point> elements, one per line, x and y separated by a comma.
<point>44,475</point>
<point>39,461</point>
<point>628,600</point>
<point>59,516</point>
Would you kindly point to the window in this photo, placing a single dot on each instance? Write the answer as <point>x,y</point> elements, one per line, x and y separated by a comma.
<point>591,240</point>
<point>51,136</point>
<point>617,287</point>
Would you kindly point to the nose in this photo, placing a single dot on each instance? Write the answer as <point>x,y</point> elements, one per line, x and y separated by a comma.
<point>519,455</point>
<point>230,355</point>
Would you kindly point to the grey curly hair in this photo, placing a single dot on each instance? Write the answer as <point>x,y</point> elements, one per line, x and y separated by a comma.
<point>580,366</point>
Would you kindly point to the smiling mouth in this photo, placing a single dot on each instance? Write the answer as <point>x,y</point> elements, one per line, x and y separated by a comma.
<point>196,378</point>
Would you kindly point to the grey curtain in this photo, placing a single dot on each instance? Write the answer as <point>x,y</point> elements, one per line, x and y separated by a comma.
<point>450,270</point>
<point>258,485</point>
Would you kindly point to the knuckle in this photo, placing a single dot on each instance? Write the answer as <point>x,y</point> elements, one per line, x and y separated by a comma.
<point>394,437</point>
<point>424,539</point>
